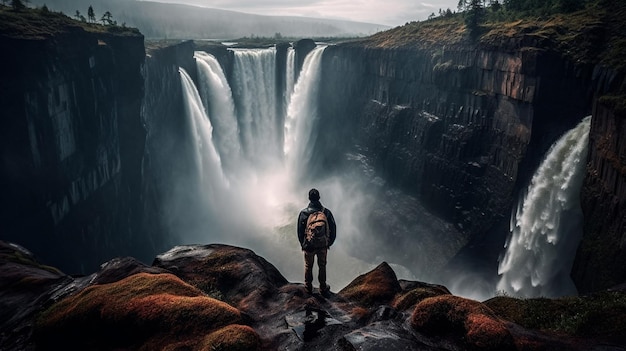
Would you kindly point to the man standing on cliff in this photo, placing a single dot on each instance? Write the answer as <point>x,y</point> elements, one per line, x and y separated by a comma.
<point>316,232</point>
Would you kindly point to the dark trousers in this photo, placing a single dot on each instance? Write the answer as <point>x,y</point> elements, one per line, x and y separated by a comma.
<point>309,258</point>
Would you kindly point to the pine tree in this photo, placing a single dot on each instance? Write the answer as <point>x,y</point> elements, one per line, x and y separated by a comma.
<point>90,14</point>
<point>474,15</point>
<point>18,4</point>
<point>107,18</point>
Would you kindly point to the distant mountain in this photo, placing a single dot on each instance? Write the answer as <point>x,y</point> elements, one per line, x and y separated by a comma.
<point>175,21</point>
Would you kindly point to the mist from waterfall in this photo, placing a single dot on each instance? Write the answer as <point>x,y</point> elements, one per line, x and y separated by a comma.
<point>250,145</point>
<point>547,226</point>
<point>260,162</point>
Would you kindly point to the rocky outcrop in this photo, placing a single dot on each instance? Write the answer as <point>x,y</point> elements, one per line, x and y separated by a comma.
<point>71,144</point>
<point>205,297</point>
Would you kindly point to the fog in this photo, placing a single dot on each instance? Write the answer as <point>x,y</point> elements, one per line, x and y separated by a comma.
<point>158,20</point>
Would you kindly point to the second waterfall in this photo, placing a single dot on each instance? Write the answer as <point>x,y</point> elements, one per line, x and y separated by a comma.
<point>547,226</point>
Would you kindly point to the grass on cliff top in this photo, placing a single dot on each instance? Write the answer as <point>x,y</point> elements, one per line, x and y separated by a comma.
<point>41,24</point>
<point>595,34</point>
<point>602,315</point>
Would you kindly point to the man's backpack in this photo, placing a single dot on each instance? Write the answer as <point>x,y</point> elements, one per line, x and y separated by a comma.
<point>316,232</point>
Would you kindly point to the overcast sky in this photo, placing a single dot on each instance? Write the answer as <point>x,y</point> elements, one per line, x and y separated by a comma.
<point>388,12</point>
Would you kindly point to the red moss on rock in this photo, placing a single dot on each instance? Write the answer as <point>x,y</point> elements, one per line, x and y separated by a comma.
<point>376,287</point>
<point>234,337</point>
<point>233,274</point>
<point>412,297</point>
<point>468,321</point>
<point>143,309</point>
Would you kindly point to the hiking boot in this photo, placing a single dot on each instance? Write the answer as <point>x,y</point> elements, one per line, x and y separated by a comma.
<point>325,291</point>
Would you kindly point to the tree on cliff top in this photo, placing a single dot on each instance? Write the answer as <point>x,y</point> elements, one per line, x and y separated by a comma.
<point>90,14</point>
<point>474,14</point>
<point>107,18</point>
<point>18,4</point>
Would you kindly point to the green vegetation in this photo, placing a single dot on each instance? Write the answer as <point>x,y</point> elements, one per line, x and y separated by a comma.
<point>261,42</point>
<point>39,23</point>
<point>599,315</point>
<point>595,32</point>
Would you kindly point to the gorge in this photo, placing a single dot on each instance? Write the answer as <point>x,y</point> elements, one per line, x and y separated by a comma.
<point>102,157</point>
<point>433,154</point>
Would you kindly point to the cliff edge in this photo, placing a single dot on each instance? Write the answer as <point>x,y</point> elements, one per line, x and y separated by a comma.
<point>71,137</point>
<point>206,297</point>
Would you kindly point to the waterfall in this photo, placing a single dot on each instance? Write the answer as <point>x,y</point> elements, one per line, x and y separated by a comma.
<point>254,93</point>
<point>290,74</point>
<point>547,226</point>
<point>208,163</point>
<point>302,113</point>
<point>218,102</point>
<point>265,154</point>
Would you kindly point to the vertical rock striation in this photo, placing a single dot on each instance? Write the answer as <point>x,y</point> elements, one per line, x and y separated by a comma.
<point>461,127</point>
<point>71,145</point>
<point>165,161</point>
<point>601,257</point>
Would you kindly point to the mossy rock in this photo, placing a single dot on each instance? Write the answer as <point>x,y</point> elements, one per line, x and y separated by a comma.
<point>601,315</point>
<point>376,287</point>
<point>471,323</point>
<point>411,298</point>
<point>143,309</point>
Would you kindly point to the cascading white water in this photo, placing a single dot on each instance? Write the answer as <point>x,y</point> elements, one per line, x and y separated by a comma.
<point>290,74</point>
<point>218,101</point>
<point>254,93</point>
<point>546,228</point>
<point>302,113</point>
<point>208,162</point>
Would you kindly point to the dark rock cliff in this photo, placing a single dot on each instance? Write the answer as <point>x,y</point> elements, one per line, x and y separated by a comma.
<point>71,144</point>
<point>465,127</point>
<point>462,127</point>
<point>601,258</point>
<point>162,113</point>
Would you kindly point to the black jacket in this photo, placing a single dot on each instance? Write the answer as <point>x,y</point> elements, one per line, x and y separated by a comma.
<point>304,215</point>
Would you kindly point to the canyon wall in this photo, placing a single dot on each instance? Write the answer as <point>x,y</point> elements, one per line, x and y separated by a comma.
<point>460,127</point>
<point>601,257</point>
<point>72,143</point>
<point>464,128</point>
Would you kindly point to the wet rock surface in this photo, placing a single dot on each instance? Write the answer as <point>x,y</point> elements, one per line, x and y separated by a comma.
<point>204,297</point>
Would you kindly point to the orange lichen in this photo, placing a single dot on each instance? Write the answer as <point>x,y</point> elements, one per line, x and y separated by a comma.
<point>133,311</point>
<point>378,286</point>
<point>360,314</point>
<point>412,297</point>
<point>469,321</point>
<point>234,337</point>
